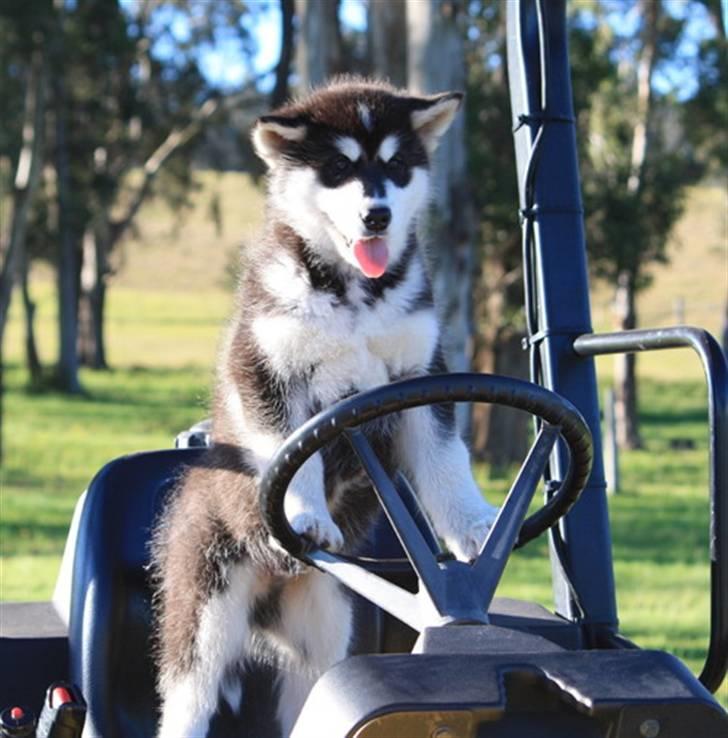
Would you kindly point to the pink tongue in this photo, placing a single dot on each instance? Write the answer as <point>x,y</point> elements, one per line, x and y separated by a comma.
<point>372,255</point>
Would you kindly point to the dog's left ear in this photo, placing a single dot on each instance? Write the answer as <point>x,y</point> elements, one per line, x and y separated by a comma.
<point>273,133</point>
<point>432,116</point>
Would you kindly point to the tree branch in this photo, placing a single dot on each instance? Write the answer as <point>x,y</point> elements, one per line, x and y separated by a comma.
<point>176,138</point>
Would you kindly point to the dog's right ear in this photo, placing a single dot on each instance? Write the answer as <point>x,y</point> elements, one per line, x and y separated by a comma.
<point>273,133</point>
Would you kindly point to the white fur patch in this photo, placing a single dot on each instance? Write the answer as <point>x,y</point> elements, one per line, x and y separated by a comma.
<point>388,148</point>
<point>439,469</point>
<point>282,279</point>
<point>222,640</point>
<point>316,621</point>
<point>365,115</point>
<point>349,147</point>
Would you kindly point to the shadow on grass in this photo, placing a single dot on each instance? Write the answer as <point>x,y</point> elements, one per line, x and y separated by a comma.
<point>659,528</point>
<point>32,538</point>
<point>689,417</point>
<point>165,397</point>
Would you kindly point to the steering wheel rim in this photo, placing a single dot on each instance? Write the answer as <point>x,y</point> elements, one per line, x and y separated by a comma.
<point>417,392</point>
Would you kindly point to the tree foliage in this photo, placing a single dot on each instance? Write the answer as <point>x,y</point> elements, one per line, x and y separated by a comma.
<point>129,94</point>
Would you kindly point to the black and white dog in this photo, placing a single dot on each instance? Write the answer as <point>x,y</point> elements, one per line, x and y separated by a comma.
<point>335,299</point>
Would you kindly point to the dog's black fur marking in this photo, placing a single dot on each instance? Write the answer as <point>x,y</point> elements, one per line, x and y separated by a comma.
<point>322,277</point>
<point>390,113</point>
<point>266,612</point>
<point>423,300</point>
<point>444,412</point>
<point>266,387</point>
<point>221,553</point>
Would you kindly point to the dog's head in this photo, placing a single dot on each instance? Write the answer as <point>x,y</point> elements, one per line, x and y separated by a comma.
<point>349,167</point>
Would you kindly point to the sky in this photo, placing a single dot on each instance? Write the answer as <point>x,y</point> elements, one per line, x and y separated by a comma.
<point>226,65</point>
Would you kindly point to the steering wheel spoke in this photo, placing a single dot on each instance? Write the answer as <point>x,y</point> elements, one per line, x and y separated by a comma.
<point>415,546</point>
<point>491,561</point>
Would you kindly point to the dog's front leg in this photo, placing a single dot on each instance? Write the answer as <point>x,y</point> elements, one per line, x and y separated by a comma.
<point>306,509</point>
<point>305,502</point>
<point>437,462</point>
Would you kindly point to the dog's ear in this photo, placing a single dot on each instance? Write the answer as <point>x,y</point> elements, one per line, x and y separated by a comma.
<point>432,116</point>
<point>273,133</point>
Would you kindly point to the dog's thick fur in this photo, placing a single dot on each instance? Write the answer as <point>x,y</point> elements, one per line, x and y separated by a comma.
<point>334,299</point>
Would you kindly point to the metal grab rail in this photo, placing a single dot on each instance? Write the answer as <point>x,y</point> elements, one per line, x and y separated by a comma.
<point>716,375</point>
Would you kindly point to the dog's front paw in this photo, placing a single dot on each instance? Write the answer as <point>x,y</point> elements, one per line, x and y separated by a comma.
<point>319,528</point>
<point>466,545</point>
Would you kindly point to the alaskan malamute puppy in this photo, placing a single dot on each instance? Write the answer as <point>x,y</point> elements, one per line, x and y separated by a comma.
<point>335,299</point>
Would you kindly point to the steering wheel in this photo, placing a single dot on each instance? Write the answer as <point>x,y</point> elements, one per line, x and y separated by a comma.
<point>450,591</point>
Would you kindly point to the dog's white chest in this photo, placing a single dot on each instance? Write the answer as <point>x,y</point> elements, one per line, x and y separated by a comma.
<point>348,350</point>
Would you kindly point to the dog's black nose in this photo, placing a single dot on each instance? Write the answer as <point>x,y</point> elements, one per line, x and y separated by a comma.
<point>377,219</point>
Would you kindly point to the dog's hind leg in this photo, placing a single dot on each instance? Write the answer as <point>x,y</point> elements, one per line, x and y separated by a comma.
<point>222,639</point>
<point>313,635</point>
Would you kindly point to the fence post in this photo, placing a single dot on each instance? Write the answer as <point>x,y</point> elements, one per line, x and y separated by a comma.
<point>611,451</point>
<point>678,309</point>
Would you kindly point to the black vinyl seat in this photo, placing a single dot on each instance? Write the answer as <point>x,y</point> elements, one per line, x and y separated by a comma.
<point>110,613</point>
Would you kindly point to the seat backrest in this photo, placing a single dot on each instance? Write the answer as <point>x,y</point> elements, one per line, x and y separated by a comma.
<point>110,611</point>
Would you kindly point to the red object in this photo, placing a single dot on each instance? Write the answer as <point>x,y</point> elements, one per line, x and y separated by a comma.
<point>60,696</point>
<point>17,713</point>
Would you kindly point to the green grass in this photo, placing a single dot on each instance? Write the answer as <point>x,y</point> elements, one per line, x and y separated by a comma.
<point>659,518</point>
<point>162,347</point>
<point>165,312</point>
<point>54,445</point>
<point>659,521</point>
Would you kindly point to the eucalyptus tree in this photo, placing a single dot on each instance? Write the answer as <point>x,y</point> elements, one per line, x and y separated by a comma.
<point>436,63</point>
<point>23,86</point>
<point>636,162</point>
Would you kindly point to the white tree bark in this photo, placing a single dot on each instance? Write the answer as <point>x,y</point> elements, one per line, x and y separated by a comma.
<point>318,50</point>
<point>386,29</point>
<point>435,63</point>
<point>27,176</point>
<point>625,311</point>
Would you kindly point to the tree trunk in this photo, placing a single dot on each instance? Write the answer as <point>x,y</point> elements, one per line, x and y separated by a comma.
<point>435,63</point>
<point>500,435</point>
<point>386,28</point>
<point>32,359</point>
<point>283,69</point>
<point>625,366</point>
<point>319,49</point>
<point>625,379</point>
<point>91,348</point>
<point>68,261</point>
<point>25,185</point>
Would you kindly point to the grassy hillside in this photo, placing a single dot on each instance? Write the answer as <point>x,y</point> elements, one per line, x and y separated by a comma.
<point>167,302</point>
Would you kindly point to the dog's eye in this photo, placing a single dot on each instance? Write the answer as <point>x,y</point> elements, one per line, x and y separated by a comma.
<point>339,167</point>
<point>396,163</point>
